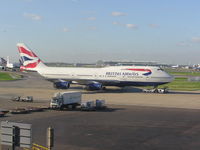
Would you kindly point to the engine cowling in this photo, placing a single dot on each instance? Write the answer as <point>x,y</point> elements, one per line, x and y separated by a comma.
<point>94,86</point>
<point>61,85</point>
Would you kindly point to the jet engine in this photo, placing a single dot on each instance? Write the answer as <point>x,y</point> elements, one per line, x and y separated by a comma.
<point>94,86</point>
<point>61,84</point>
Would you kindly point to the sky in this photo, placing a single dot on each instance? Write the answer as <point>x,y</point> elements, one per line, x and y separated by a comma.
<point>85,31</point>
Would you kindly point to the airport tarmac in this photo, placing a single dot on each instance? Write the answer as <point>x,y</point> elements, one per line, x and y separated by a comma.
<point>134,120</point>
<point>119,128</point>
<point>42,91</point>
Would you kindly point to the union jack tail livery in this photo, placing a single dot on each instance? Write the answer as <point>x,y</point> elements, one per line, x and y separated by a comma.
<point>30,61</point>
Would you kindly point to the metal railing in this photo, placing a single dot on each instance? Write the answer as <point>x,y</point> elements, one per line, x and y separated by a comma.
<point>37,147</point>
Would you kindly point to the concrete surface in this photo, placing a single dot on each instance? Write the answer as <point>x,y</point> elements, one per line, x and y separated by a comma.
<point>134,120</point>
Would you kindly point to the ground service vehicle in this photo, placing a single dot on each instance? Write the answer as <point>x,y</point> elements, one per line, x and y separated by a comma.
<point>88,106</point>
<point>23,99</point>
<point>155,90</point>
<point>93,105</point>
<point>63,100</point>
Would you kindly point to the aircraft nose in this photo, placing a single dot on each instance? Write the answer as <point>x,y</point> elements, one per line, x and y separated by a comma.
<point>170,78</point>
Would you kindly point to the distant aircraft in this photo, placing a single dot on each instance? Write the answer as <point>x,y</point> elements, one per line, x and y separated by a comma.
<point>6,63</point>
<point>94,78</point>
<point>175,66</point>
<point>3,63</point>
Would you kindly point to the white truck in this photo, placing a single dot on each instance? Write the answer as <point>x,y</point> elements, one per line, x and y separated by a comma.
<point>62,100</point>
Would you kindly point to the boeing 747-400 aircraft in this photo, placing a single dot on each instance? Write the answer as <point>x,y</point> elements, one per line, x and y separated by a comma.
<point>94,78</point>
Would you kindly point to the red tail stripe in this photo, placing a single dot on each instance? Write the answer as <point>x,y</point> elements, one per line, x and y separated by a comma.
<point>23,50</point>
<point>139,69</point>
<point>32,65</point>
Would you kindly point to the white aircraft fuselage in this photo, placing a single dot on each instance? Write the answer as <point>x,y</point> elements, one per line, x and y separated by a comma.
<point>112,76</point>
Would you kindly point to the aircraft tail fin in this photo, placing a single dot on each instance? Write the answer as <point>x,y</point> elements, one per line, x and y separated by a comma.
<point>29,59</point>
<point>3,62</point>
<point>8,60</point>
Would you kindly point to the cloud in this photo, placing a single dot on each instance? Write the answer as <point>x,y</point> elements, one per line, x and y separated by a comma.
<point>3,30</point>
<point>189,42</point>
<point>183,44</point>
<point>131,26</point>
<point>75,1</point>
<point>33,16</point>
<point>28,0</point>
<point>116,13</point>
<point>89,12</point>
<point>196,39</point>
<point>153,25</point>
<point>65,29</point>
<point>93,28</point>
<point>91,18</point>
<point>116,23</point>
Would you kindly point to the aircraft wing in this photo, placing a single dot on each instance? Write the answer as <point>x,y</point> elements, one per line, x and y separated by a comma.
<point>103,82</point>
<point>87,82</point>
